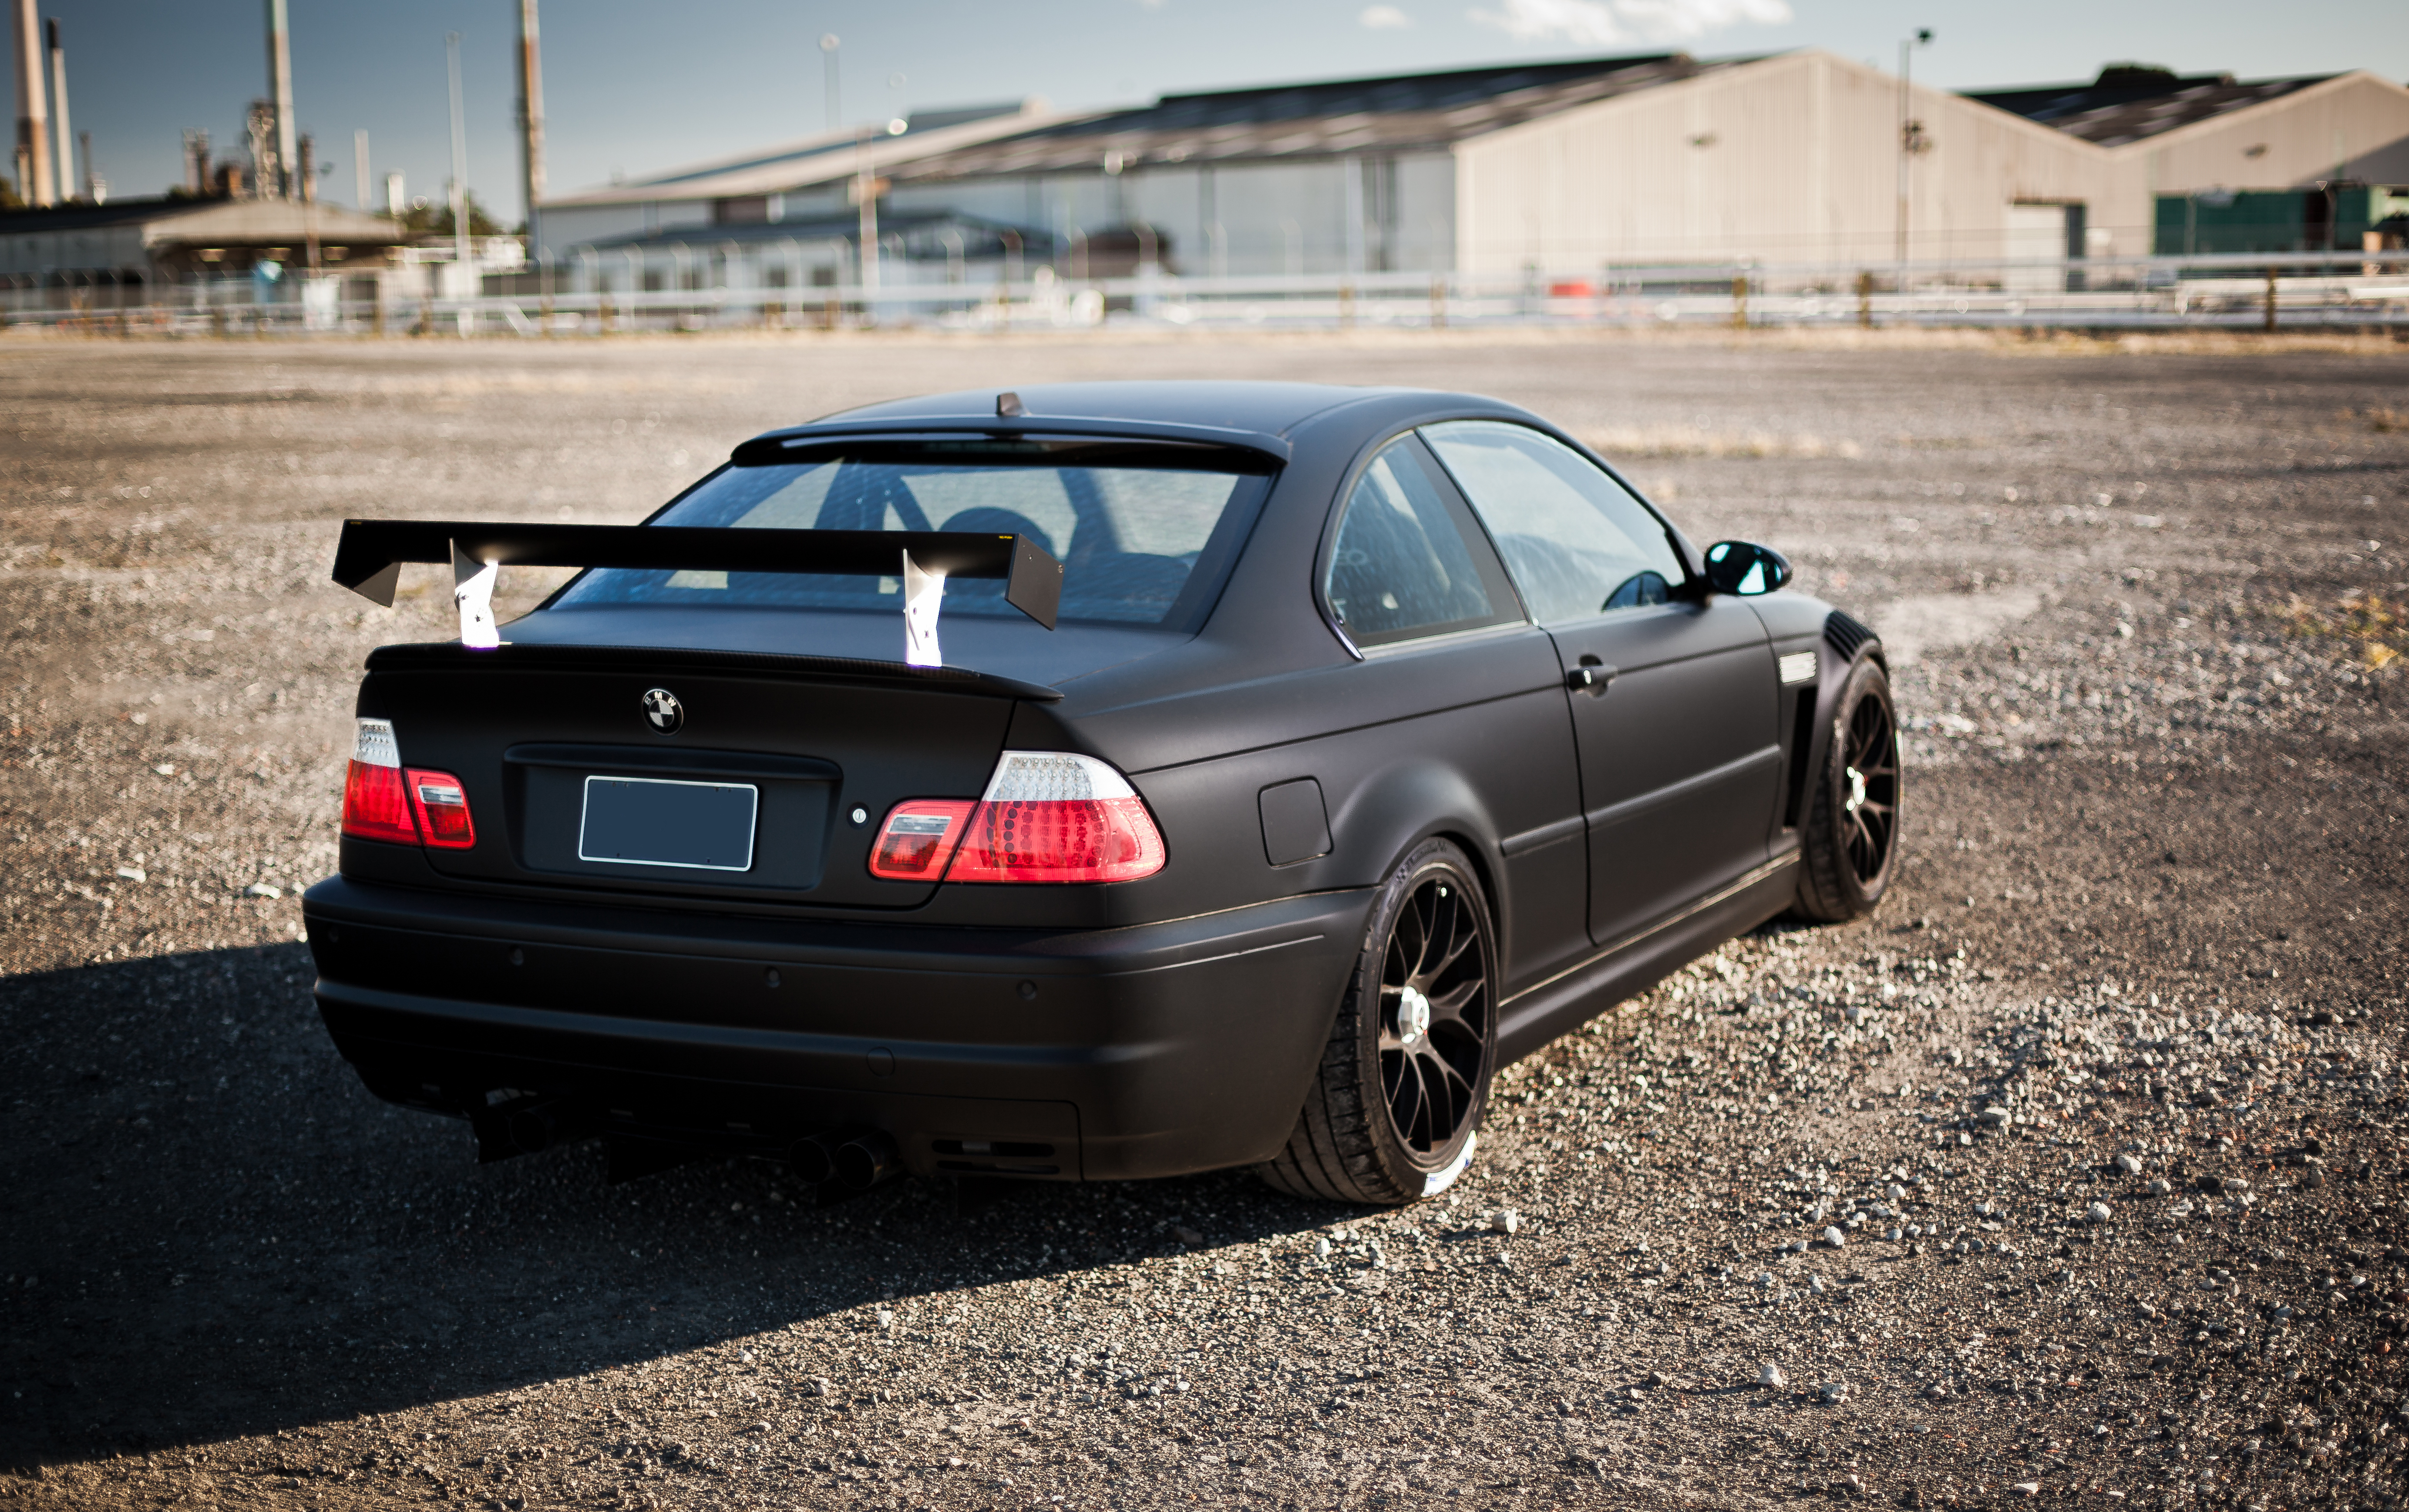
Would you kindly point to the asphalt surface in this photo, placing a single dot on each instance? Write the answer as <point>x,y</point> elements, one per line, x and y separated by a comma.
<point>2118,1062</point>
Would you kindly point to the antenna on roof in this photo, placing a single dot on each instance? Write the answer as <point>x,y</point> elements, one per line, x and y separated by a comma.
<point>1007,406</point>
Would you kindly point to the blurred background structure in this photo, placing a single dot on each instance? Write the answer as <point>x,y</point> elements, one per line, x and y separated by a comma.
<point>1802,184</point>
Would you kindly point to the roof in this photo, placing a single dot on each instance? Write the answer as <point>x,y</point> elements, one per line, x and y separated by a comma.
<point>1382,113</point>
<point>1269,408</point>
<point>912,224</point>
<point>817,160</point>
<point>2129,104</point>
<point>1388,112</point>
<point>217,222</point>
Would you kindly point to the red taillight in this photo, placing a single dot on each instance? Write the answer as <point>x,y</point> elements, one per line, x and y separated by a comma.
<point>1047,816</point>
<point>443,807</point>
<point>1062,840</point>
<point>1055,816</point>
<point>918,839</point>
<point>374,805</point>
<point>383,802</point>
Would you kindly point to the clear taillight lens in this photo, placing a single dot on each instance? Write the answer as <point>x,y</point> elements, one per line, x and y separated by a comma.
<point>443,807</point>
<point>918,839</point>
<point>1056,816</point>
<point>375,807</point>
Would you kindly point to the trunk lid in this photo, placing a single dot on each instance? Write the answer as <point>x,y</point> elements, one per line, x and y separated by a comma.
<point>560,752</point>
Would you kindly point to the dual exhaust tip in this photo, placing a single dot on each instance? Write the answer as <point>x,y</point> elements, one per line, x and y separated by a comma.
<point>859,1160</point>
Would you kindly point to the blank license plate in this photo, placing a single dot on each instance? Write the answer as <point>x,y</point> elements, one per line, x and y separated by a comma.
<point>646,821</point>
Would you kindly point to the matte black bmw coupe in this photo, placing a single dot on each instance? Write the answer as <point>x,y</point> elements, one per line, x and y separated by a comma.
<point>1099,781</point>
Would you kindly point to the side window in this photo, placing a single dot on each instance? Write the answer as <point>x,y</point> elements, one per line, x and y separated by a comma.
<point>1407,562</point>
<point>1576,540</point>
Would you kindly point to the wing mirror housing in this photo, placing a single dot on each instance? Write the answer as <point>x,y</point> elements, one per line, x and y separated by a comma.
<point>1745,567</point>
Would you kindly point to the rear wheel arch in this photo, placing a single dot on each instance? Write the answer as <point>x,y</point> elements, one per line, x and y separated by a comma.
<point>1381,820</point>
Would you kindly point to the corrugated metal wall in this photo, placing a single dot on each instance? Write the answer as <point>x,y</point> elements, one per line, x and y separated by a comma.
<point>1794,160</point>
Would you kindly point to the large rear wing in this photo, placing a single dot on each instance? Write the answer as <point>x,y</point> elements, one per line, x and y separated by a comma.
<point>370,557</point>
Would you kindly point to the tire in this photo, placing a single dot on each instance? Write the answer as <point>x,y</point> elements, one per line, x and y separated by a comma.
<point>1392,1113</point>
<point>1851,843</point>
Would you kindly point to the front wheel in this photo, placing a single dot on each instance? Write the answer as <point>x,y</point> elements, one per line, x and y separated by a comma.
<point>1404,1077</point>
<point>1852,837</point>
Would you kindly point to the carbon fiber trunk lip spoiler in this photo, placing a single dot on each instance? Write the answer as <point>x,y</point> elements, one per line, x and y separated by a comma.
<point>450,655</point>
<point>370,556</point>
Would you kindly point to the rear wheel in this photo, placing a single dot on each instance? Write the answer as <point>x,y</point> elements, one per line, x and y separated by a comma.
<point>1852,836</point>
<point>1404,1077</point>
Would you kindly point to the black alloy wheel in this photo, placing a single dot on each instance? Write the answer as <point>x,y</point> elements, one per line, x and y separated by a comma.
<point>1435,1016</point>
<point>1852,835</point>
<point>1405,1076</point>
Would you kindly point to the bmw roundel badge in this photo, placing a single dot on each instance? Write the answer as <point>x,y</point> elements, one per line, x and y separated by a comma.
<point>663,711</point>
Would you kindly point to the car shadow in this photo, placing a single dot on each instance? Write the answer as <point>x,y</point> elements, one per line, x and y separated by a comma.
<point>215,1232</point>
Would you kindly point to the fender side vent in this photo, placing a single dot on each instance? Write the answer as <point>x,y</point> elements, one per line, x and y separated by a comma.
<point>1802,748</point>
<point>1845,633</point>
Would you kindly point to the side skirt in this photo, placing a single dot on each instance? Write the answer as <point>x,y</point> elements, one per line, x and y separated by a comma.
<point>1537,1014</point>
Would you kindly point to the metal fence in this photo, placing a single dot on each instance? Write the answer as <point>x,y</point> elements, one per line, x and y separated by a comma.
<point>2361,291</point>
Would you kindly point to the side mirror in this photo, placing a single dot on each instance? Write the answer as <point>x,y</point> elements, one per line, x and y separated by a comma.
<point>1745,567</point>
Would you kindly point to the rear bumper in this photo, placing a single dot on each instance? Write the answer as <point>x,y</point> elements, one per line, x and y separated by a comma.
<point>1143,1051</point>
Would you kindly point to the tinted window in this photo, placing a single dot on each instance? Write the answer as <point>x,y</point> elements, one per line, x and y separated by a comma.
<point>1406,561</point>
<point>1128,537</point>
<point>1576,540</point>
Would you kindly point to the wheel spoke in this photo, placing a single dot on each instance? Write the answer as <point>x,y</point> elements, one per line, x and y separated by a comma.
<point>1465,937</point>
<point>1448,1007</point>
<point>1410,1103</point>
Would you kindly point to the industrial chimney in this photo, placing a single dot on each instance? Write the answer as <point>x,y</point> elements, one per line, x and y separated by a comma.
<point>34,177</point>
<point>530,118</point>
<point>196,162</point>
<point>62,158</point>
<point>279,89</point>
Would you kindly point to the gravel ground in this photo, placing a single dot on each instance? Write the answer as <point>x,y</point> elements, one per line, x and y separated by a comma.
<point>2075,1171</point>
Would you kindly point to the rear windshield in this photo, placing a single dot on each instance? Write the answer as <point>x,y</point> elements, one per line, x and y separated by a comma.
<point>1131,536</point>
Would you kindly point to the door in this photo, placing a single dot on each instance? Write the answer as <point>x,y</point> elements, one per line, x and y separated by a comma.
<point>1412,581</point>
<point>1672,692</point>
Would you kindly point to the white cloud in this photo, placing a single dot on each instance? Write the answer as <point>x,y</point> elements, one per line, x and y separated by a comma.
<point>1614,22</point>
<point>1384,18</point>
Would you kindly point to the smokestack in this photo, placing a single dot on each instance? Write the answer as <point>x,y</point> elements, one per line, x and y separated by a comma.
<point>196,162</point>
<point>33,115</point>
<point>459,194</point>
<point>64,157</point>
<point>265,169</point>
<point>279,89</point>
<point>530,118</point>
<point>360,169</point>
<point>307,171</point>
<point>394,202</point>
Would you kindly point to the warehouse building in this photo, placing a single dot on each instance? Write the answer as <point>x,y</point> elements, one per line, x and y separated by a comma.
<point>130,251</point>
<point>1798,158</point>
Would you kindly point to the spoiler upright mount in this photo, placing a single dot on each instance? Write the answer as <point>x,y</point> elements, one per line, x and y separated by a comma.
<point>368,560</point>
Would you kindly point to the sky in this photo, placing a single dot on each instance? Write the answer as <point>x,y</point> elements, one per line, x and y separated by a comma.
<point>637,86</point>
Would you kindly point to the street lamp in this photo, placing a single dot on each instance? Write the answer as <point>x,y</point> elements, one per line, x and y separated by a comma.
<point>1911,137</point>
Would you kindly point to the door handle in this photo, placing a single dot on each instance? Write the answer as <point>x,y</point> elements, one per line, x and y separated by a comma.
<point>1591,678</point>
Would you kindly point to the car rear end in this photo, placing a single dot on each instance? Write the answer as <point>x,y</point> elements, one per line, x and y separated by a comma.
<point>687,864</point>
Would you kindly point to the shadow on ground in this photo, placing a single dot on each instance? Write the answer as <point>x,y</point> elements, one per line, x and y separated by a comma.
<point>215,1232</point>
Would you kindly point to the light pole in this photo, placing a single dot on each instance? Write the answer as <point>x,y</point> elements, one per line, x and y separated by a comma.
<point>835,106</point>
<point>1911,137</point>
<point>459,163</point>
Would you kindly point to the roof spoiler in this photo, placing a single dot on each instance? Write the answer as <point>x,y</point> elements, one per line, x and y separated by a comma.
<point>368,558</point>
